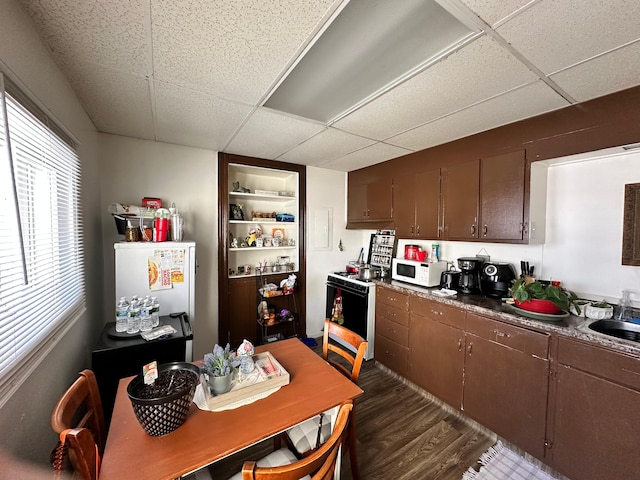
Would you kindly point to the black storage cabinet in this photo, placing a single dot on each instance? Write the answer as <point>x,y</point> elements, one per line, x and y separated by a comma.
<point>114,358</point>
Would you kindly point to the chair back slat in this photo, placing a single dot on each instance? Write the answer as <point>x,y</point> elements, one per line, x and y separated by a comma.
<point>358,343</point>
<point>320,464</point>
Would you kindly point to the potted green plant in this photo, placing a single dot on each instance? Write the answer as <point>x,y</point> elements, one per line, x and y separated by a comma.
<point>218,365</point>
<point>542,297</point>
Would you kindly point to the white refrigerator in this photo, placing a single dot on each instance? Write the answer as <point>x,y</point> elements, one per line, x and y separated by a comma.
<point>165,270</point>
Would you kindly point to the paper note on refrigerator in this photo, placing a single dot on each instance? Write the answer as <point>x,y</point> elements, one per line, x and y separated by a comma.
<point>159,272</point>
<point>175,259</point>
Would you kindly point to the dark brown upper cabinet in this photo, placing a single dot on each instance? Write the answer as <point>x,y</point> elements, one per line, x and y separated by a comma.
<point>460,200</point>
<point>368,202</point>
<point>502,197</point>
<point>416,205</point>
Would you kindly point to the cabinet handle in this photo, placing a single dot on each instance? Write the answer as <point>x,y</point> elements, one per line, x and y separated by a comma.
<point>436,312</point>
<point>501,334</point>
<point>484,230</point>
<point>411,229</point>
<point>364,213</point>
<point>469,348</point>
<point>368,212</point>
<point>459,344</point>
<point>387,352</point>
<point>418,230</point>
<point>473,229</point>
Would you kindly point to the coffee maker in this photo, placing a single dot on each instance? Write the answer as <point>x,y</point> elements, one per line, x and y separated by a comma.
<point>469,274</point>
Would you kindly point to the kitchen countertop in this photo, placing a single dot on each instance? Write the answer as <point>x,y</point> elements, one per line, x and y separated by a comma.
<point>571,326</point>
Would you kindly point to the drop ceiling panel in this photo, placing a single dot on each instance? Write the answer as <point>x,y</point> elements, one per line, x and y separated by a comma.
<point>554,35</point>
<point>376,153</point>
<point>235,52</point>
<point>324,147</point>
<point>494,12</point>
<point>118,103</point>
<point>479,71</point>
<point>516,105</point>
<point>110,33</point>
<point>608,73</point>
<point>187,117</point>
<point>269,134</point>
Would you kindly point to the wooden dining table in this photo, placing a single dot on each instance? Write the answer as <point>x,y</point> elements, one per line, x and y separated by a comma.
<point>206,437</point>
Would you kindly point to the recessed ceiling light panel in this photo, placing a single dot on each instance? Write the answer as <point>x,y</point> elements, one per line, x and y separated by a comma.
<point>371,44</point>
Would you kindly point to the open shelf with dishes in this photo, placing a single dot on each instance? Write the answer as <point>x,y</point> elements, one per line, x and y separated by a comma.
<point>261,232</point>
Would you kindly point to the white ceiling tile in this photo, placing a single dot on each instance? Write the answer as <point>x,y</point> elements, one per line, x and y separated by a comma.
<point>110,33</point>
<point>235,50</point>
<point>492,11</point>
<point>376,153</point>
<point>327,145</point>
<point>187,117</point>
<point>119,103</point>
<point>522,103</point>
<point>269,134</point>
<point>606,74</point>
<point>480,70</point>
<point>554,35</point>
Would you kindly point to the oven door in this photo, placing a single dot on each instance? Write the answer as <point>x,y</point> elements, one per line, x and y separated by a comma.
<point>355,307</point>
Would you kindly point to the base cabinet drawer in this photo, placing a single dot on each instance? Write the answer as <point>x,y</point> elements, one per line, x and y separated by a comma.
<point>391,355</point>
<point>393,331</point>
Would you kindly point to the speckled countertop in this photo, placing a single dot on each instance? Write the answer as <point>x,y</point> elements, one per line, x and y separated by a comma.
<point>571,326</point>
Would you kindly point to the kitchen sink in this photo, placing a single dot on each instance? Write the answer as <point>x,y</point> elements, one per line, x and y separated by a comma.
<point>616,328</point>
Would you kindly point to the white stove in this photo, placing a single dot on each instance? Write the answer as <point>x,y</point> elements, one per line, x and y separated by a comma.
<point>358,305</point>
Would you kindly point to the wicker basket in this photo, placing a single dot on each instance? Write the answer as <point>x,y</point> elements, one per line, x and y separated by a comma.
<point>160,416</point>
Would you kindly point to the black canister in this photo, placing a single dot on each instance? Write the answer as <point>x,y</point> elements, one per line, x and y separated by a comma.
<point>450,280</point>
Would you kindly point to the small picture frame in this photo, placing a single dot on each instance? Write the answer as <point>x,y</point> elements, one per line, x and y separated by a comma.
<point>235,212</point>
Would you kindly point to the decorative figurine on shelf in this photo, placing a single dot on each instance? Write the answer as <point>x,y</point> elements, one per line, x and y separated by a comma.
<point>234,243</point>
<point>238,189</point>
<point>236,211</point>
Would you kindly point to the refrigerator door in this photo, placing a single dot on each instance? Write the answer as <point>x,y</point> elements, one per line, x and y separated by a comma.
<point>132,274</point>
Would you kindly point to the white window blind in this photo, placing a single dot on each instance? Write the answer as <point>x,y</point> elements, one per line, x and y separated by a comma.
<point>41,254</point>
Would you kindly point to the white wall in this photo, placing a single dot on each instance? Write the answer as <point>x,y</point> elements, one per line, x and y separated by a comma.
<point>133,169</point>
<point>25,419</point>
<point>326,192</point>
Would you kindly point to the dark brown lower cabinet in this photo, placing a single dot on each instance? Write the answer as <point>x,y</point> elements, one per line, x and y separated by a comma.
<point>392,330</point>
<point>243,323</point>
<point>436,349</point>
<point>506,391</point>
<point>596,433</point>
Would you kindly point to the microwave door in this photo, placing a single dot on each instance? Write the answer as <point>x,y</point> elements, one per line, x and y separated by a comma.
<point>404,270</point>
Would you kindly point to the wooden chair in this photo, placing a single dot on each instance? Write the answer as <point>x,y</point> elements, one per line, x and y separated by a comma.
<point>319,465</point>
<point>80,408</point>
<point>82,451</point>
<point>309,435</point>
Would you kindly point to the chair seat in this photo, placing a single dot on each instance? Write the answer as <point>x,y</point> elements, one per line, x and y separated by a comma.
<point>304,436</point>
<point>281,457</point>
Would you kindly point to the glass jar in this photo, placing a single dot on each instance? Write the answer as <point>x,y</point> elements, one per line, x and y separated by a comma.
<point>131,233</point>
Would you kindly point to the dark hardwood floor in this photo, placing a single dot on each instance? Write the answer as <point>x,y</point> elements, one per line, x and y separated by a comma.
<point>401,435</point>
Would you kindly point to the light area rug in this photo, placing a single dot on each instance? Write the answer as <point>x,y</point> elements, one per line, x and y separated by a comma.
<point>500,463</point>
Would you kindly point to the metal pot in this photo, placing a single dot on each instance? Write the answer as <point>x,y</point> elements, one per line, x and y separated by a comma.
<point>353,267</point>
<point>367,272</point>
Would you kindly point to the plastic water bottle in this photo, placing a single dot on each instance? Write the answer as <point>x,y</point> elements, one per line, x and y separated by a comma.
<point>155,312</point>
<point>133,322</point>
<point>145,315</point>
<point>122,315</point>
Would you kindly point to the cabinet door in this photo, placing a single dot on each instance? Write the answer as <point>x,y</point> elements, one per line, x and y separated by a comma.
<point>404,206</point>
<point>436,358</point>
<point>461,187</point>
<point>506,391</point>
<point>427,204</point>
<point>243,321</point>
<point>379,200</point>
<point>357,202</point>
<point>502,196</point>
<point>596,434</point>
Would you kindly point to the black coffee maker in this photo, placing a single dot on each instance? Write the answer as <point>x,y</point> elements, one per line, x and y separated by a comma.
<point>469,274</point>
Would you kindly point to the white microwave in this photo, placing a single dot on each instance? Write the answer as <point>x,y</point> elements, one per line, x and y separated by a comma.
<point>424,274</point>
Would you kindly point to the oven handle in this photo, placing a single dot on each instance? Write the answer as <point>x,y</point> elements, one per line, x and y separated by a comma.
<point>348,290</point>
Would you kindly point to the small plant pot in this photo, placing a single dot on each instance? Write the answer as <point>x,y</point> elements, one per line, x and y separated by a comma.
<point>220,385</point>
<point>583,308</point>
<point>599,313</point>
<point>539,306</point>
<point>164,413</point>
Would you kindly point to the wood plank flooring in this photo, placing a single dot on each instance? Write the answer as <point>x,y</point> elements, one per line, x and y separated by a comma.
<point>401,435</point>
